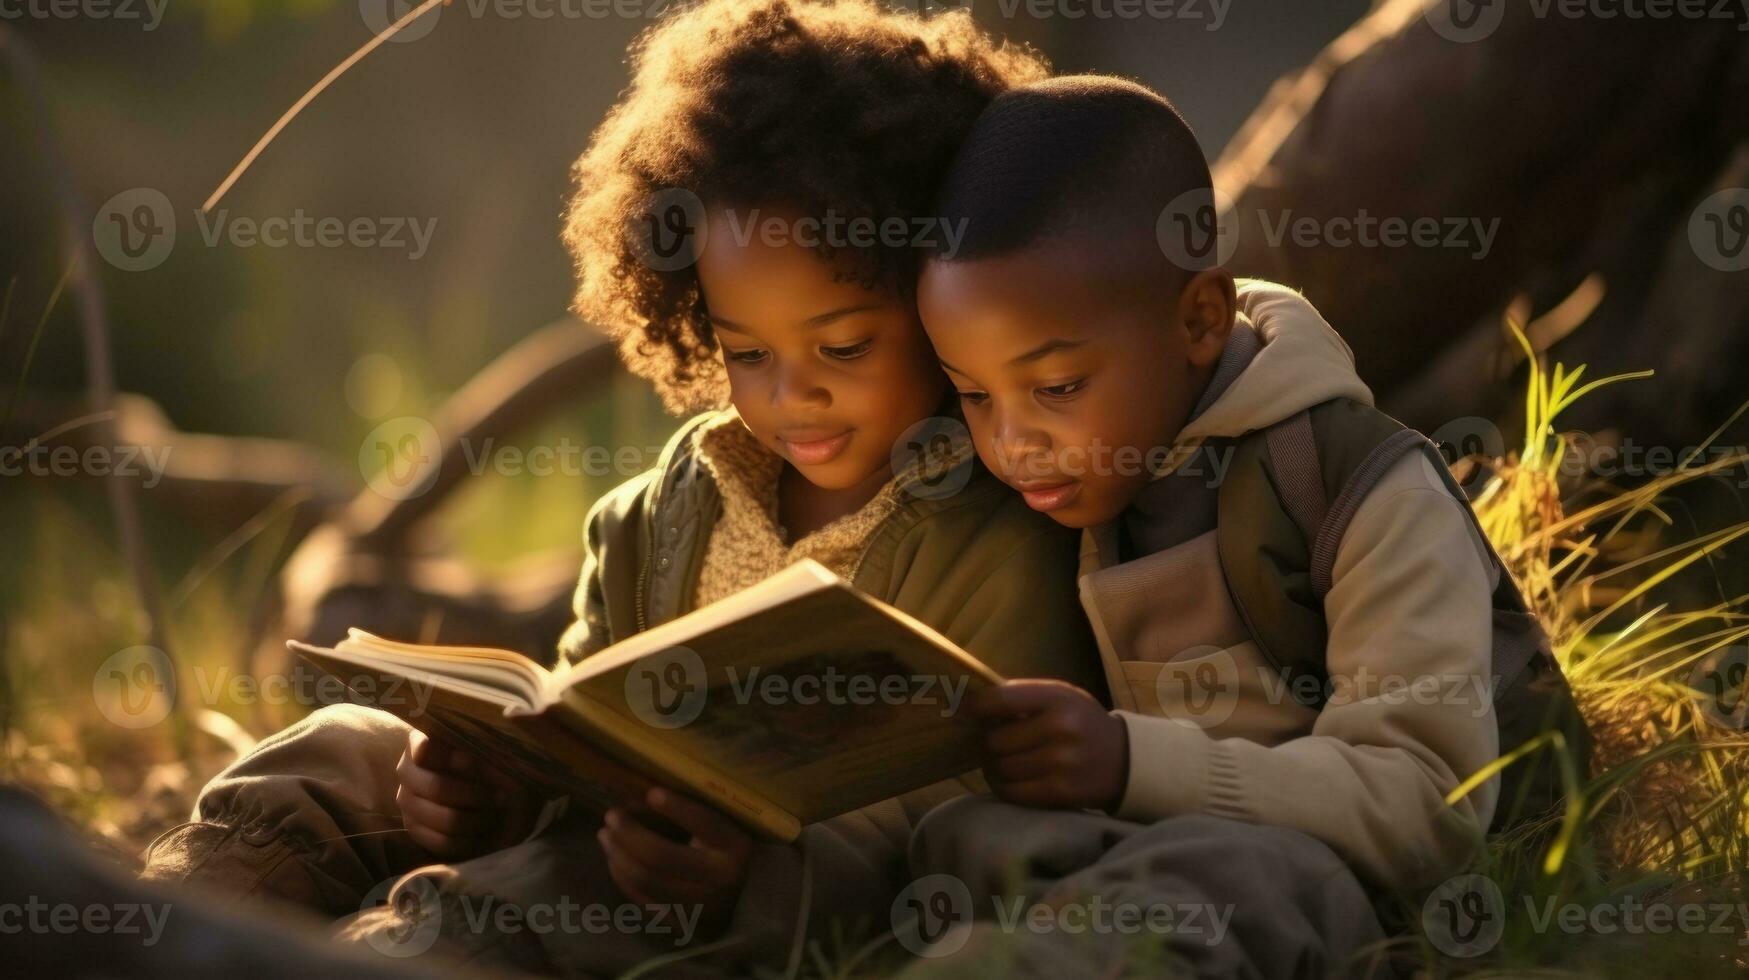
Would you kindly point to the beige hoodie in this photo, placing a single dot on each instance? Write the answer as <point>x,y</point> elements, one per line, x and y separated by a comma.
<point>1410,713</point>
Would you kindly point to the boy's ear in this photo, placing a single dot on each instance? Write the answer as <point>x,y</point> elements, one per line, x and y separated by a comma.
<point>1207,307</point>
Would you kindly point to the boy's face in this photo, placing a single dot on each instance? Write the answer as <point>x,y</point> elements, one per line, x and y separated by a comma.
<point>1076,365</point>
<point>826,373</point>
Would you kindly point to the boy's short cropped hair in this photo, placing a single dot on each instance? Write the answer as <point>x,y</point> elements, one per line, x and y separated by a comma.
<point>838,108</point>
<point>1090,157</point>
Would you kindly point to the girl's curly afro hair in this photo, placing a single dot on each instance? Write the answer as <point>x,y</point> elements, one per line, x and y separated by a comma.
<point>826,106</point>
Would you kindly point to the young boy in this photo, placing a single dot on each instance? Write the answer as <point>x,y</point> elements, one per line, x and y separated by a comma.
<point>1116,389</point>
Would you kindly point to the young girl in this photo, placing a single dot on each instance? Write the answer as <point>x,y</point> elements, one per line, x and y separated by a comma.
<point>801,142</point>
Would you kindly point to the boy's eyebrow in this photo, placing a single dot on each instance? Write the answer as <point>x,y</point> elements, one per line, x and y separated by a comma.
<point>817,320</point>
<point>1048,347</point>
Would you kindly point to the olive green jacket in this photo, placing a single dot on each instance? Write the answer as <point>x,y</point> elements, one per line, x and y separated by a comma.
<point>976,564</point>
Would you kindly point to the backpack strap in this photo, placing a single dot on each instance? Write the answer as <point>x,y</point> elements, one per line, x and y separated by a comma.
<point>1293,454</point>
<point>1299,482</point>
<point>1371,470</point>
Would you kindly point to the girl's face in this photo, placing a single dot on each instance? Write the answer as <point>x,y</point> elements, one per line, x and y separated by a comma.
<point>827,374</point>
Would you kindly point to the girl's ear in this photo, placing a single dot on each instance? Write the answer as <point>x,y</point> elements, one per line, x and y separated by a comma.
<point>1207,308</point>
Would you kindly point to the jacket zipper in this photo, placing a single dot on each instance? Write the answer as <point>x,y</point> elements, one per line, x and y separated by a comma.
<point>648,530</point>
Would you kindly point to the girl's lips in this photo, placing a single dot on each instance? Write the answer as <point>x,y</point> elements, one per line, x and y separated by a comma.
<point>1051,498</point>
<point>814,452</point>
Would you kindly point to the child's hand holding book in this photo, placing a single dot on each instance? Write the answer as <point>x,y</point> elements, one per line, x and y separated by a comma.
<point>455,807</point>
<point>703,865</point>
<point>1051,744</point>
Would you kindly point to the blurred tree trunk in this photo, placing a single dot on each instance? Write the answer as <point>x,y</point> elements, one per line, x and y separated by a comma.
<point>1590,141</point>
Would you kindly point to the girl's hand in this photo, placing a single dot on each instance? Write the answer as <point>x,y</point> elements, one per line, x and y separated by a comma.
<point>455,807</point>
<point>1052,745</point>
<point>706,869</point>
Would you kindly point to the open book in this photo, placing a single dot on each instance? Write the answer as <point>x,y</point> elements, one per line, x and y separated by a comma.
<point>787,703</point>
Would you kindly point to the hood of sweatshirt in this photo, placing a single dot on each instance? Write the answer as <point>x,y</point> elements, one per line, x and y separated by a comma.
<point>1300,362</point>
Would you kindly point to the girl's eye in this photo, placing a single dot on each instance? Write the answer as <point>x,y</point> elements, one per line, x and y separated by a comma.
<point>1063,390</point>
<point>974,397</point>
<point>848,352</point>
<point>745,356</point>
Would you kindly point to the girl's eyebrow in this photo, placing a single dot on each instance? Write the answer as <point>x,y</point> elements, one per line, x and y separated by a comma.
<point>821,319</point>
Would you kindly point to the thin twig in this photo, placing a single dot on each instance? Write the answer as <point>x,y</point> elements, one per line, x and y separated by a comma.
<point>94,323</point>
<point>310,96</point>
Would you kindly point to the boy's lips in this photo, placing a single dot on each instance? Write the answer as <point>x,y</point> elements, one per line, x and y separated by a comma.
<point>812,448</point>
<point>1049,496</point>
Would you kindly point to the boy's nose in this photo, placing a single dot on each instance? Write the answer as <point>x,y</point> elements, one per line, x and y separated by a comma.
<point>1021,446</point>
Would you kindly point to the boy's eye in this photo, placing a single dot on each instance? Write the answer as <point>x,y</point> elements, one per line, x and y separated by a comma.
<point>849,351</point>
<point>974,397</point>
<point>753,356</point>
<point>1063,390</point>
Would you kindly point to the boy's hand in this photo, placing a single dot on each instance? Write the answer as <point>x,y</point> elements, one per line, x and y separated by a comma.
<point>455,807</point>
<point>707,869</point>
<point>1052,745</point>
